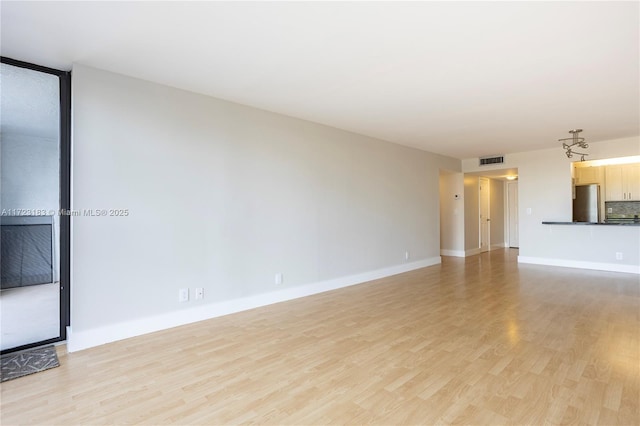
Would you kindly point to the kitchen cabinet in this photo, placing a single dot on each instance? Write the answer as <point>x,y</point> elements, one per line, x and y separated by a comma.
<point>633,181</point>
<point>622,182</point>
<point>587,175</point>
<point>613,187</point>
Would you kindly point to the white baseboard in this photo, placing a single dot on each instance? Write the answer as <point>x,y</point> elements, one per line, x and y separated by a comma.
<point>613,267</point>
<point>98,336</point>
<point>472,252</point>
<point>497,246</point>
<point>456,253</point>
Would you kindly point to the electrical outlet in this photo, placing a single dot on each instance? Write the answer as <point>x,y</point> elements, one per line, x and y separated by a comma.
<point>407,255</point>
<point>618,255</point>
<point>609,209</point>
<point>528,211</point>
<point>183,295</point>
<point>278,278</point>
<point>199,293</point>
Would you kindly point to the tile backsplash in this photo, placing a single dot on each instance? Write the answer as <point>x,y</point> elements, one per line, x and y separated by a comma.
<point>622,208</point>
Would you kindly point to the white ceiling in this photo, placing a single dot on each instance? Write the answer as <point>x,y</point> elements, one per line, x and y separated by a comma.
<point>463,79</point>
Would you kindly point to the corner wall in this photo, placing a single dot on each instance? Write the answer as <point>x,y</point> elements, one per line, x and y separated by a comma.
<point>471,215</point>
<point>223,196</point>
<point>451,214</point>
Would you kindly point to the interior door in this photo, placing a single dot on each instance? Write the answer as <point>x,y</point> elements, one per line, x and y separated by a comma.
<point>34,245</point>
<point>485,218</point>
<point>512,214</point>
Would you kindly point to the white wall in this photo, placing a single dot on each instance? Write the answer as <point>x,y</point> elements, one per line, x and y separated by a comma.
<point>451,214</point>
<point>544,185</point>
<point>223,196</point>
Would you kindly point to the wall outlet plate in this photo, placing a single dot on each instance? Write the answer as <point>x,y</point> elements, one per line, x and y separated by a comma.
<point>183,295</point>
<point>199,293</point>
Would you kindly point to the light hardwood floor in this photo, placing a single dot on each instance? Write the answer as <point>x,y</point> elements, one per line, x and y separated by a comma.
<point>480,340</point>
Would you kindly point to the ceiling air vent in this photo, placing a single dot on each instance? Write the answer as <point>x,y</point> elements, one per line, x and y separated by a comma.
<point>495,159</point>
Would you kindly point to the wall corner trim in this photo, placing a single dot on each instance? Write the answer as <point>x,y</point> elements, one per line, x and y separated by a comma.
<point>455,253</point>
<point>472,252</point>
<point>600,266</point>
<point>85,339</point>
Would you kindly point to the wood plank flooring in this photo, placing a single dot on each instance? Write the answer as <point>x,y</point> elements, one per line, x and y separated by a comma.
<point>480,340</point>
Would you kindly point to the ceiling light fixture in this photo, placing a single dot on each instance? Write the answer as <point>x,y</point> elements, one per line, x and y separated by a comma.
<point>575,140</point>
<point>512,177</point>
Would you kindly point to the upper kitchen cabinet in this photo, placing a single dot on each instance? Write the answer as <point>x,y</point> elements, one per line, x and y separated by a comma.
<point>587,175</point>
<point>622,182</point>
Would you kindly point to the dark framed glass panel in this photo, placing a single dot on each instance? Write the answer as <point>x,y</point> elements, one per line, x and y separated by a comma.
<point>34,189</point>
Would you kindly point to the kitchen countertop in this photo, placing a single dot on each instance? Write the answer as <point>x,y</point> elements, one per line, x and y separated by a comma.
<point>593,223</point>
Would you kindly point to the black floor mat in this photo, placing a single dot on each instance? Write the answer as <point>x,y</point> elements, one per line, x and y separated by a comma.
<point>28,362</point>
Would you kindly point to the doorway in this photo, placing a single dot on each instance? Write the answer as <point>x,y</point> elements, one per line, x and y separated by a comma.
<point>35,181</point>
<point>485,210</point>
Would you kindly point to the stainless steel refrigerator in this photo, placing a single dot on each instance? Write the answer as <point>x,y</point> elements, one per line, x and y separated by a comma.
<point>586,203</point>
